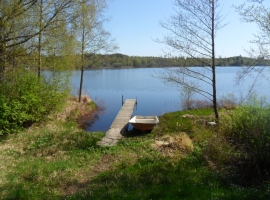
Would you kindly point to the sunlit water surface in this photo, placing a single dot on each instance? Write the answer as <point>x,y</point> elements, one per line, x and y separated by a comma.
<point>106,87</point>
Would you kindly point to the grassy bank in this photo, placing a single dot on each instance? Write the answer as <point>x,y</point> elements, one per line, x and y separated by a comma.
<point>58,160</point>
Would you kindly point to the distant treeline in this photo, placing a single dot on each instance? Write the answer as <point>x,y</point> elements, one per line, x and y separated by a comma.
<point>120,60</point>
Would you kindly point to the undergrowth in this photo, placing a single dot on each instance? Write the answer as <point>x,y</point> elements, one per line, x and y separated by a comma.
<point>246,133</point>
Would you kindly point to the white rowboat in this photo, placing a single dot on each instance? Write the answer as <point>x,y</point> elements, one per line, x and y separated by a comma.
<point>144,123</point>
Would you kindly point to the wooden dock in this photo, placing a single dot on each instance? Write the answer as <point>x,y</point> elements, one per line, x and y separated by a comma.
<point>119,124</point>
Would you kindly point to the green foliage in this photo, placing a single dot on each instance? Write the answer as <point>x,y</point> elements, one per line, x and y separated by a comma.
<point>117,65</point>
<point>247,129</point>
<point>26,98</point>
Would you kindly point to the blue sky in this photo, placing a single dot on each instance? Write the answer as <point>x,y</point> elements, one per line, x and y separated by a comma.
<point>135,25</point>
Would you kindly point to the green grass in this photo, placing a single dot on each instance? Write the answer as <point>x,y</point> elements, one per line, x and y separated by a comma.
<point>43,161</point>
<point>59,161</point>
<point>169,121</point>
<point>161,178</point>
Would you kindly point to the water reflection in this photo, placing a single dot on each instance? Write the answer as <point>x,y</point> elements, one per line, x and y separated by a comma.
<point>87,120</point>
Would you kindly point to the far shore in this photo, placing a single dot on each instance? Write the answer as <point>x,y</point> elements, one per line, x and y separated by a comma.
<point>131,67</point>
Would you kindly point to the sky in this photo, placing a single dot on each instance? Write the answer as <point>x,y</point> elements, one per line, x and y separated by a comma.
<point>135,26</point>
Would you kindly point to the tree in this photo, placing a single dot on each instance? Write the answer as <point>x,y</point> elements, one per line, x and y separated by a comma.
<point>49,19</point>
<point>255,11</point>
<point>137,62</point>
<point>90,34</point>
<point>24,24</point>
<point>13,28</point>
<point>192,32</point>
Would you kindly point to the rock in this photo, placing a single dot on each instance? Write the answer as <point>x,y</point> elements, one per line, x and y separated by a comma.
<point>211,123</point>
<point>188,116</point>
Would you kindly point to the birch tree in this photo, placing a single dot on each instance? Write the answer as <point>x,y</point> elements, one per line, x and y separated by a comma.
<point>14,29</point>
<point>24,24</point>
<point>91,37</point>
<point>50,18</point>
<point>192,32</point>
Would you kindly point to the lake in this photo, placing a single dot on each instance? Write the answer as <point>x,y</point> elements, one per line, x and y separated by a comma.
<point>106,87</point>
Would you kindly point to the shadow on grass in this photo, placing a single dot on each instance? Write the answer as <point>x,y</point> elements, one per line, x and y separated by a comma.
<point>3,137</point>
<point>135,133</point>
<point>162,179</point>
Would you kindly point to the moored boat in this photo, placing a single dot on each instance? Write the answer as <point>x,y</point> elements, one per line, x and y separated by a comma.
<point>144,123</point>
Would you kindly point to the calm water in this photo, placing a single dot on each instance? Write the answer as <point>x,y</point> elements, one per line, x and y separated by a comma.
<point>106,87</point>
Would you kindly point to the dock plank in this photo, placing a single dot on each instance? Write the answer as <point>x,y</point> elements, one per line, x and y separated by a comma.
<point>119,124</point>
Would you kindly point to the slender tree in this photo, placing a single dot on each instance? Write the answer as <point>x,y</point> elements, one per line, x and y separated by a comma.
<point>192,32</point>
<point>91,36</point>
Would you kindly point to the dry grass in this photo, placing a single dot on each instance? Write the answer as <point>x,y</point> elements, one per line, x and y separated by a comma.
<point>74,108</point>
<point>174,145</point>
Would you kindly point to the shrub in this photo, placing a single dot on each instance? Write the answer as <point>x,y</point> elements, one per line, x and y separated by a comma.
<point>26,98</point>
<point>247,129</point>
<point>227,102</point>
<point>196,104</point>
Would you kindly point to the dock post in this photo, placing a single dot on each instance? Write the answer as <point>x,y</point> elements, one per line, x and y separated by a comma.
<point>136,102</point>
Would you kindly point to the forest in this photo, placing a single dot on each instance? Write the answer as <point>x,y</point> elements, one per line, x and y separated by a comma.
<point>118,60</point>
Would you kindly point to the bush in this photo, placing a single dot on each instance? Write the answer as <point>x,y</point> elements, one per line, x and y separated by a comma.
<point>227,102</point>
<point>247,129</point>
<point>26,98</point>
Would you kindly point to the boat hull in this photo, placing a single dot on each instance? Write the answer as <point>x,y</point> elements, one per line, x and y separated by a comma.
<point>144,123</point>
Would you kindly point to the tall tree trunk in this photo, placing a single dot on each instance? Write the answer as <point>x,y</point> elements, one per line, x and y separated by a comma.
<point>39,37</point>
<point>81,84</point>
<point>3,62</point>
<point>82,59</point>
<point>214,62</point>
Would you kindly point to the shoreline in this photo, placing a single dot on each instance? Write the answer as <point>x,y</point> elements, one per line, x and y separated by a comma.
<point>131,67</point>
